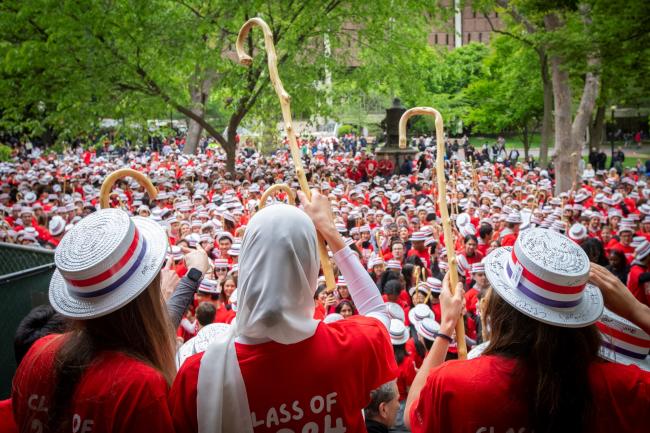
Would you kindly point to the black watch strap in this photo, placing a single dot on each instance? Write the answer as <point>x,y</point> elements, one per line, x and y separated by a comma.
<point>194,275</point>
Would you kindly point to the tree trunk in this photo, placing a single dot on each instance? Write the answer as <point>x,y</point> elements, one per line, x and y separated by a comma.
<point>526,141</point>
<point>597,131</point>
<point>564,148</point>
<point>582,120</point>
<point>199,92</point>
<point>547,119</point>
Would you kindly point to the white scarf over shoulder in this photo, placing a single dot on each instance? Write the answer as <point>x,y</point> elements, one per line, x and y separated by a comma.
<point>278,272</point>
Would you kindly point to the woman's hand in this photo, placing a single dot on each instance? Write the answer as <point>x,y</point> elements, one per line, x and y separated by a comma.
<point>198,259</point>
<point>451,306</point>
<point>318,209</point>
<point>618,297</point>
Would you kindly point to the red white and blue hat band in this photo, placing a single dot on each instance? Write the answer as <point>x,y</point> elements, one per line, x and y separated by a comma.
<point>539,290</point>
<point>624,343</point>
<point>113,277</point>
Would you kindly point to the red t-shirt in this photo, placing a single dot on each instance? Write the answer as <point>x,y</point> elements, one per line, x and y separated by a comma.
<point>405,376</point>
<point>325,380</point>
<point>117,393</point>
<point>7,423</point>
<point>633,282</point>
<point>224,315</point>
<point>482,395</point>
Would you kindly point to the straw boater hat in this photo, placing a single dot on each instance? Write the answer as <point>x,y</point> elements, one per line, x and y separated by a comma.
<point>399,333</point>
<point>427,328</point>
<point>623,342</point>
<point>477,267</point>
<point>394,311</point>
<point>104,262</point>
<point>418,236</point>
<point>577,232</point>
<point>545,277</point>
<point>209,286</point>
<point>419,313</point>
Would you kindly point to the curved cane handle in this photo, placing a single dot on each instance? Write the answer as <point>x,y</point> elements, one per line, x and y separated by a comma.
<point>291,196</point>
<point>285,105</point>
<point>104,193</point>
<point>442,205</point>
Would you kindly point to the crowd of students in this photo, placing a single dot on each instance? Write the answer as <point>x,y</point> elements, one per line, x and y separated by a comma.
<point>199,311</point>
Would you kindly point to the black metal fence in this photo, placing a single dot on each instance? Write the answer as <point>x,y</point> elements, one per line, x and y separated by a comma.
<point>25,274</point>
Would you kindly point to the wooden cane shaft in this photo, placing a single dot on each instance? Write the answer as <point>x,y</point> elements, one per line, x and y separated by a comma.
<point>105,192</point>
<point>442,204</point>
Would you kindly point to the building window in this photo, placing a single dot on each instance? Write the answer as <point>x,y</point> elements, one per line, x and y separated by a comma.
<point>473,14</point>
<point>496,15</point>
<point>435,39</point>
<point>469,38</point>
<point>447,39</point>
<point>480,37</point>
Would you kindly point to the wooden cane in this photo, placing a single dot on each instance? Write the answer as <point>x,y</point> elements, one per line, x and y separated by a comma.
<point>416,272</point>
<point>273,190</point>
<point>285,104</point>
<point>442,198</point>
<point>105,191</point>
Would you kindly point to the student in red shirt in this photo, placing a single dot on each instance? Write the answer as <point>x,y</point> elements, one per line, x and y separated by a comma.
<point>112,372</point>
<point>277,369</point>
<point>541,371</point>
<point>639,266</point>
<point>399,336</point>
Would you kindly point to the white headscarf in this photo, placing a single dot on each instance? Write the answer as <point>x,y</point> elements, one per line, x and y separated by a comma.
<point>278,272</point>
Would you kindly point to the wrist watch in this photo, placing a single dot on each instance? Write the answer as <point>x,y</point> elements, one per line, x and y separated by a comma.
<point>194,275</point>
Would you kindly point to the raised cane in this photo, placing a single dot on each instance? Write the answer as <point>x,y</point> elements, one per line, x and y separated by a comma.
<point>285,104</point>
<point>105,191</point>
<point>442,199</point>
<point>275,189</point>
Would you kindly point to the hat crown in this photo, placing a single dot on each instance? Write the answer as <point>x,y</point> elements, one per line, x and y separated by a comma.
<point>552,257</point>
<point>95,244</point>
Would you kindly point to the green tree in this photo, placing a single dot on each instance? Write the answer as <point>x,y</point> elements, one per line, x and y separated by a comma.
<point>510,95</point>
<point>68,63</point>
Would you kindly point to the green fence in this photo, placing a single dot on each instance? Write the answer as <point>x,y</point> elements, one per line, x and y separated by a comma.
<point>25,274</point>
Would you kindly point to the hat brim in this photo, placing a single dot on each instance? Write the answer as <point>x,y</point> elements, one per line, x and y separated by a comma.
<point>584,314</point>
<point>612,356</point>
<point>398,341</point>
<point>81,308</point>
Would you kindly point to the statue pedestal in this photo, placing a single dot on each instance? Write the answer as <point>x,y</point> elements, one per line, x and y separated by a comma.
<point>397,155</point>
<point>390,149</point>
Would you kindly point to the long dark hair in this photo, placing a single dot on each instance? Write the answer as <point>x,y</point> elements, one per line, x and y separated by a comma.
<point>420,349</point>
<point>595,251</point>
<point>553,362</point>
<point>140,329</point>
<point>400,352</point>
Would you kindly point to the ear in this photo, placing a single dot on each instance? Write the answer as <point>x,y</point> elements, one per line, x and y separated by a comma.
<point>383,410</point>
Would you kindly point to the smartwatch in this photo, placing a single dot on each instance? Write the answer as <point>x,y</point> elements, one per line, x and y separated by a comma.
<point>194,275</point>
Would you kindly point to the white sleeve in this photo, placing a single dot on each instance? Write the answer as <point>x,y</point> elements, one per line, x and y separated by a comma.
<point>363,290</point>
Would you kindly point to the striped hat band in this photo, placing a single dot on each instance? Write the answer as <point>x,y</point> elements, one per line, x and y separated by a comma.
<point>623,339</point>
<point>534,286</point>
<point>110,274</point>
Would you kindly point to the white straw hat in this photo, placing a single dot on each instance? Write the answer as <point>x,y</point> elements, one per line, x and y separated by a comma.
<point>394,311</point>
<point>428,328</point>
<point>399,333</point>
<point>623,341</point>
<point>545,277</point>
<point>104,262</point>
<point>419,313</point>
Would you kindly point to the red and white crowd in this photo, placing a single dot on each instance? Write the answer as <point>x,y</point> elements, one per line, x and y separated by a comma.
<point>354,339</point>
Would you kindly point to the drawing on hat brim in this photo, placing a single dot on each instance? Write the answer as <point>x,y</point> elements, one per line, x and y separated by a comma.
<point>584,314</point>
